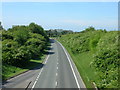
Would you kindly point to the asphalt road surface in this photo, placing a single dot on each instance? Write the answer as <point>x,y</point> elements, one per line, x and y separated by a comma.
<point>57,71</point>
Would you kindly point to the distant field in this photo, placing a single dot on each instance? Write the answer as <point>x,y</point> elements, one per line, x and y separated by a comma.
<point>95,53</point>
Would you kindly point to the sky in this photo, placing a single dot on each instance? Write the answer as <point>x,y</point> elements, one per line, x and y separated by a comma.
<point>74,16</point>
<point>59,0</point>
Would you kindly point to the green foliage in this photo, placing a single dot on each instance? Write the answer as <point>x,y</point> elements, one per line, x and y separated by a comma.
<point>6,35</point>
<point>22,43</point>
<point>34,28</point>
<point>8,51</point>
<point>57,32</point>
<point>21,36</point>
<point>105,56</point>
<point>1,26</point>
<point>107,60</point>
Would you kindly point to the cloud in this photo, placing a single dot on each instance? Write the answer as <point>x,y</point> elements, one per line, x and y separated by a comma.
<point>60,0</point>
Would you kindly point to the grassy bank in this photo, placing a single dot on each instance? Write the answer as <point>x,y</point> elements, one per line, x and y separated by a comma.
<point>95,53</point>
<point>82,62</point>
<point>23,48</point>
<point>11,71</point>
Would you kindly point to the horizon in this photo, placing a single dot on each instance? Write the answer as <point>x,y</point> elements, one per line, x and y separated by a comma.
<point>75,16</point>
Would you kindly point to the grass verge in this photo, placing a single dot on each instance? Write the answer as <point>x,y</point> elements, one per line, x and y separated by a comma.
<point>82,62</point>
<point>11,71</point>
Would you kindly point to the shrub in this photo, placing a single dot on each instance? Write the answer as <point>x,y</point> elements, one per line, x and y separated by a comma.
<point>9,49</point>
<point>21,36</point>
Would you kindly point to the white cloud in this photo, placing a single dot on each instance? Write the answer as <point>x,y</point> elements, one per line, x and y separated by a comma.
<point>60,0</point>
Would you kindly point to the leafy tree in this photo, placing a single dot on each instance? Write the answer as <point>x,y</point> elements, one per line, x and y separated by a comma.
<point>22,43</point>
<point>7,35</point>
<point>21,36</point>
<point>1,28</point>
<point>34,28</point>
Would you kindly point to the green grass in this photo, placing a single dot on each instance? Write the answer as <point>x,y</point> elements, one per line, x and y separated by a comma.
<point>82,62</point>
<point>11,71</point>
<point>95,54</point>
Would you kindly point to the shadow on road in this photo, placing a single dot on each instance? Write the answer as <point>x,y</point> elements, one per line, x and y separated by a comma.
<point>51,52</point>
<point>49,48</point>
<point>35,65</point>
<point>52,41</point>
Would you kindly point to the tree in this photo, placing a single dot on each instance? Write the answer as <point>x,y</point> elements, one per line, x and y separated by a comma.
<point>1,26</point>
<point>90,29</point>
<point>34,28</point>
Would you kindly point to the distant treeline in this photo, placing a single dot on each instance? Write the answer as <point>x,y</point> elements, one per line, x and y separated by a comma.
<point>57,32</point>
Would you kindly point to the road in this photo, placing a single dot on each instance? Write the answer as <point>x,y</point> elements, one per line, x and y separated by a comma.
<point>57,71</point>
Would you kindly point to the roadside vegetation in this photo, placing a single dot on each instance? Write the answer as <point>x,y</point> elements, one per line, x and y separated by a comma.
<point>57,32</point>
<point>23,48</point>
<point>95,53</point>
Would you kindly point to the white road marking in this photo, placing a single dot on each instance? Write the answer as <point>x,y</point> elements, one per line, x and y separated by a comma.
<point>39,74</point>
<point>70,65</point>
<point>57,68</point>
<point>26,71</point>
<point>37,78</point>
<point>56,74</point>
<point>46,59</point>
<point>56,83</point>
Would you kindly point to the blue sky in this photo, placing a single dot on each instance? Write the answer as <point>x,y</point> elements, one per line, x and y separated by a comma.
<point>74,16</point>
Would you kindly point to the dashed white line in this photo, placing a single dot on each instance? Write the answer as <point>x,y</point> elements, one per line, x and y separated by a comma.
<point>56,83</point>
<point>56,74</point>
<point>57,68</point>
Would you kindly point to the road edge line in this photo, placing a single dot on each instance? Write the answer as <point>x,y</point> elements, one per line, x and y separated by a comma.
<point>76,70</point>
<point>70,65</point>
<point>40,72</point>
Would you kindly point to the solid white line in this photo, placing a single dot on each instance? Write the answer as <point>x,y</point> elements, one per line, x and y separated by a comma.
<point>27,71</point>
<point>39,74</point>
<point>70,65</point>
<point>46,59</point>
<point>37,78</point>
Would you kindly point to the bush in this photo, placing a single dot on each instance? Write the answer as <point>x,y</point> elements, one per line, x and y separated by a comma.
<point>9,49</point>
<point>22,43</point>
<point>21,36</point>
<point>107,60</point>
<point>105,49</point>
<point>6,35</point>
<point>22,56</point>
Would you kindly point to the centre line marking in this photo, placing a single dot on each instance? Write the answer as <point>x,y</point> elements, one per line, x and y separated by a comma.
<point>56,74</point>
<point>56,83</point>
